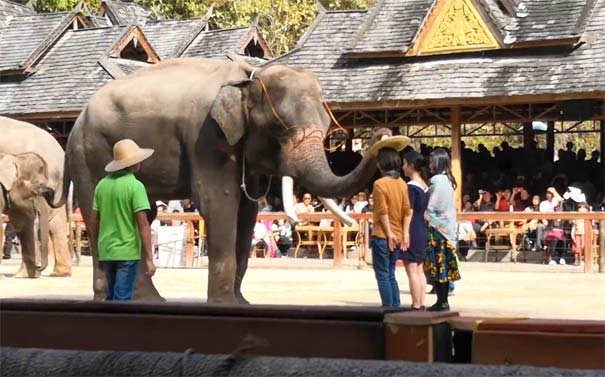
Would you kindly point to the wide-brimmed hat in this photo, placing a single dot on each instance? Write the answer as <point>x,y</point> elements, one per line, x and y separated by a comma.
<point>127,153</point>
<point>393,142</point>
<point>160,203</point>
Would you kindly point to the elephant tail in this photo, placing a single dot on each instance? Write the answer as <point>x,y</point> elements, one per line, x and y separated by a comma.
<point>67,193</point>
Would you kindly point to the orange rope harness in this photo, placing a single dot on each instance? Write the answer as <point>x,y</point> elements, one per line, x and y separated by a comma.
<point>335,130</point>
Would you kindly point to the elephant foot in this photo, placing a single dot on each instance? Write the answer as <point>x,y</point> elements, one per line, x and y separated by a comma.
<point>241,299</point>
<point>60,274</point>
<point>24,273</point>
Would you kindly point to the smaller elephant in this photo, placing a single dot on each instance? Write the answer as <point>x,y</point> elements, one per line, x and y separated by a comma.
<point>22,182</point>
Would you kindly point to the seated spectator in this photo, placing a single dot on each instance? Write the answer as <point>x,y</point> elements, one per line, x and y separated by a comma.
<point>535,228</point>
<point>520,199</point>
<point>577,235</point>
<point>503,200</point>
<point>466,232</point>
<point>304,207</point>
<point>345,205</point>
<point>484,204</point>
<point>370,206</point>
<point>361,202</point>
<point>188,206</point>
<point>264,206</point>
<point>262,231</point>
<point>282,233</point>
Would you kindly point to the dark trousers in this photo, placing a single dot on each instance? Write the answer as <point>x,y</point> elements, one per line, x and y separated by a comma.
<point>9,237</point>
<point>121,279</point>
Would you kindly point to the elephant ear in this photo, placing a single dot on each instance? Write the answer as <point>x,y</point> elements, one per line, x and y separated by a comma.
<point>228,111</point>
<point>9,171</point>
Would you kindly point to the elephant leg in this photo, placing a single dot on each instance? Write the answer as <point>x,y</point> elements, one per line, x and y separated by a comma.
<point>28,268</point>
<point>246,219</point>
<point>58,234</point>
<point>219,205</point>
<point>84,186</point>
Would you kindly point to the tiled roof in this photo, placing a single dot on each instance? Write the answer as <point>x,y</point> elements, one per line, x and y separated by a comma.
<point>9,8</point>
<point>67,76</point>
<point>122,13</point>
<point>485,74</point>
<point>170,37</point>
<point>550,19</point>
<point>27,36</point>
<point>218,43</point>
<point>391,25</point>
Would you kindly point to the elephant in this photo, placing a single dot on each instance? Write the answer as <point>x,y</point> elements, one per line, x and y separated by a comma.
<point>26,138</point>
<point>22,179</point>
<point>217,126</point>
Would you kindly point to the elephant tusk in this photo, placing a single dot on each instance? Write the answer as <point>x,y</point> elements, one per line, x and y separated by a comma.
<point>287,189</point>
<point>335,209</point>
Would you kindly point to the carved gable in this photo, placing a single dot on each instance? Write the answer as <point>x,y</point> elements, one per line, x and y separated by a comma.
<point>454,26</point>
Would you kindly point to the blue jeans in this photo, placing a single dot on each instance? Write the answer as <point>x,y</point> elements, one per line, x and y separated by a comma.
<point>383,262</point>
<point>121,278</point>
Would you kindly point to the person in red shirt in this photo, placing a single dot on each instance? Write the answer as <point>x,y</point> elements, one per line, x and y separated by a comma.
<point>503,200</point>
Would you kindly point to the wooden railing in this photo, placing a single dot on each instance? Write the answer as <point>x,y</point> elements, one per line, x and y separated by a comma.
<point>363,220</point>
<point>587,217</point>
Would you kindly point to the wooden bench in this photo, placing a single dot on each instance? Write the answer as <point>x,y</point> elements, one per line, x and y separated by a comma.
<point>508,231</point>
<point>314,238</point>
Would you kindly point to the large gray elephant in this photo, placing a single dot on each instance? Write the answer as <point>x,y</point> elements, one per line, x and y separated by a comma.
<point>23,139</point>
<point>211,122</point>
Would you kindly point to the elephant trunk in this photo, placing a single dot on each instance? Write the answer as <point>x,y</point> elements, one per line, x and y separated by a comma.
<point>43,226</point>
<point>307,161</point>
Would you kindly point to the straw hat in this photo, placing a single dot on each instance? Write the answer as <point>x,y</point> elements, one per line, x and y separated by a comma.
<point>127,153</point>
<point>393,142</point>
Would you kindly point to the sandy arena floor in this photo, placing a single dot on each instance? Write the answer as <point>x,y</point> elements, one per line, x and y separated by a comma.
<point>492,289</point>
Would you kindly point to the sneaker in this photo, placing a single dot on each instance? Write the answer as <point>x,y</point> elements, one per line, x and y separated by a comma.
<point>562,261</point>
<point>552,262</point>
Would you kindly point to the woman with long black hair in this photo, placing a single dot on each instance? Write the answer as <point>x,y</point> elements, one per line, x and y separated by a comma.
<point>442,261</point>
<point>415,167</point>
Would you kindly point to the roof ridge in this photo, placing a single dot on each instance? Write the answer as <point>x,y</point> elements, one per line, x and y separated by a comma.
<point>365,25</point>
<point>198,29</point>
<point>320,16</point>
<point>586,15</point>
<point>51,38</point>
<point>228,29</point>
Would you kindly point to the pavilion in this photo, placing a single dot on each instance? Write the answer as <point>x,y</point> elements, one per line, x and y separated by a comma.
<point>52,63</point>
<point>459,65</point>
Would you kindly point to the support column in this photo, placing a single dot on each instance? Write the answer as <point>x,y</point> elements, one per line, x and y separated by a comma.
<point>528,136</point>
<point>457,152</point>
<point>602,142</point>
<point>550,141</point>
<point>349,142</point>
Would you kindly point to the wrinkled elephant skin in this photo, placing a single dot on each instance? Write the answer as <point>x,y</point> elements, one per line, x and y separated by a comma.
<point>204,118</point>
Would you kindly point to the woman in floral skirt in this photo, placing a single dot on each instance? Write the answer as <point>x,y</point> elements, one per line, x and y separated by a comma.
<point>442,260</point>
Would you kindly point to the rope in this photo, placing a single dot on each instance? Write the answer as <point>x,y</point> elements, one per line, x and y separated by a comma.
<point>338,127</point>
<point>243,185</point>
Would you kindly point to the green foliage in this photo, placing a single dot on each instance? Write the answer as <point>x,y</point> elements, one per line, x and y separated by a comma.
<point>62,5</point>
<point>282,22</point>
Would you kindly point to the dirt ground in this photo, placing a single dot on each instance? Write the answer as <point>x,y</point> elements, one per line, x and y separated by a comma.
<point>486,289</point>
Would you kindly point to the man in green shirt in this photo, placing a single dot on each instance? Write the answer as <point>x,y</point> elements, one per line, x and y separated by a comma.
<point>119,223</point>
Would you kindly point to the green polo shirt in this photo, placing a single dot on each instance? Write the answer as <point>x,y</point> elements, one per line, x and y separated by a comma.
<point>118,197</point>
